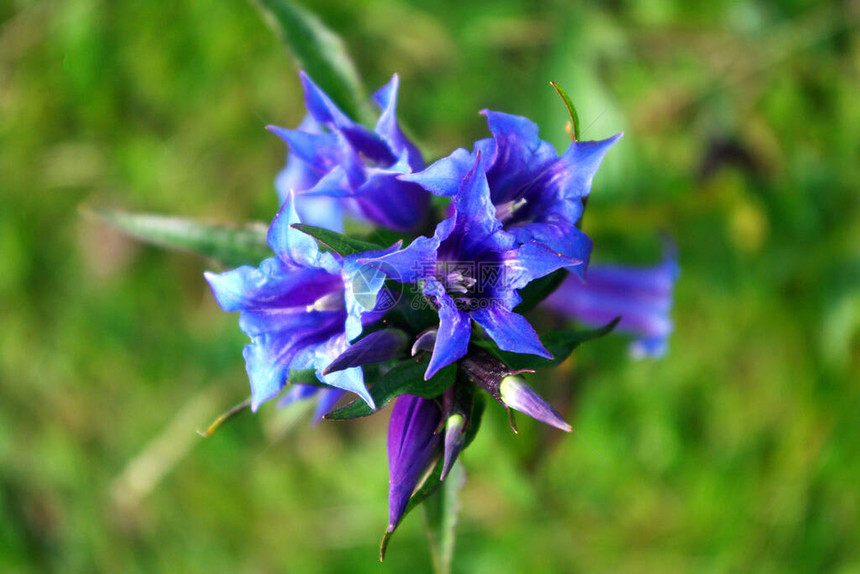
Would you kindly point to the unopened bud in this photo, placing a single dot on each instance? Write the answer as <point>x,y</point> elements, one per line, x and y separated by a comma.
<point>454,439</point>
<point>518,395</point>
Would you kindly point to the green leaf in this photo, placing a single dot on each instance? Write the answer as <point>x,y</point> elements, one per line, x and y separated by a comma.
<point>406,378</point>
<point>440,519</point>
<point>320,53</point>
<point>305,377</point>
<point>231,245</point>
<point>560,343</point>
<point>540,289</point>
<point>571,111</point>
<point>337,242</point>
<point>433,479</point>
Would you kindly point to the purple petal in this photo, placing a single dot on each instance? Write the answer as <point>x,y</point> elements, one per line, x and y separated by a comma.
<point>516,394</point>
<point>412,445</point>
<point>511,331</point>
<point>375,347</point>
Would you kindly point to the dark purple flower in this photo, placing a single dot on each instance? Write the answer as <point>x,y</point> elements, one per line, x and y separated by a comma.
<point>336,165</point>
<point>299,310</point>
<point>471,269</point>
<point>537,194</point>
<point>642,296</point>
<point>412,445</point>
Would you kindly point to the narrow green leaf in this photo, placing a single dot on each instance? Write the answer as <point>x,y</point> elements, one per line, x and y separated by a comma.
<point>337,242</point>
<point>571,110</point>
<point>320,53</point>
<point>560,343</point>
<point>231,245</point>
<point>305,377</point>
<point>440,519</point>
<point>540,289</point>
<point>224,417</point>
<point>406,378</point>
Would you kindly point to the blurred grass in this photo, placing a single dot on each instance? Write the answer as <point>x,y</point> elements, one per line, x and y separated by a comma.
<point>738,452</point>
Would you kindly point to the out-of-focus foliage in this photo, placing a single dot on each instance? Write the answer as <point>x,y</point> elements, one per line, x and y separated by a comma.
<point>740,451</point>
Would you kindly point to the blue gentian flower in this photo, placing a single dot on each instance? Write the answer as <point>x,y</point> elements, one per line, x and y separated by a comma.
<point>413,443</point>
<point>337,166</point>
<point>642,296</point>
<point>537,194</point>
<point>471,269</point>
<point>299,310</point>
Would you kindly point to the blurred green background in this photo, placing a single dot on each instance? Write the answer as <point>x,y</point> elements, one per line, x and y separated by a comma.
<point>738,452</point>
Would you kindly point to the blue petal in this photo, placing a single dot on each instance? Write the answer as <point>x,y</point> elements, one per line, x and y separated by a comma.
<point>320,106</point>
<point>408,265</point>
<point>319,151</point>
<point>295,247</point>
<point>328,399</point>
<point>455,328</point>
<point>272,285</point>
<point>334,184</point>
<point>266,374</point>
<point>351,380</point>
<point>532,261</point>
<point>520,155</point>
<point>510,331</point>
<point>297,393</point>
<point>642,296</point>
<point>388,128</point>
<point>574,171</point>
<point>476,229</point>
<point>386,200</point>
<point>445,175</point>
<point>374,149</point>
<point>560,236</point>
<point>325,212</point>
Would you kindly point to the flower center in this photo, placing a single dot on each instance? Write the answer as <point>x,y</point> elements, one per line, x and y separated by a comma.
<point>506,211</point>
<point>457,277</point>
<point>330,302</point>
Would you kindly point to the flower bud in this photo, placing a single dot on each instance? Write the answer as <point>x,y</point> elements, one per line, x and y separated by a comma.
<point>455,437</point>
<point>518,395</point>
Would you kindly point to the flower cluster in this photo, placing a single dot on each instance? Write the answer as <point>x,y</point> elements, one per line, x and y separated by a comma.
<point>330,314</point>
